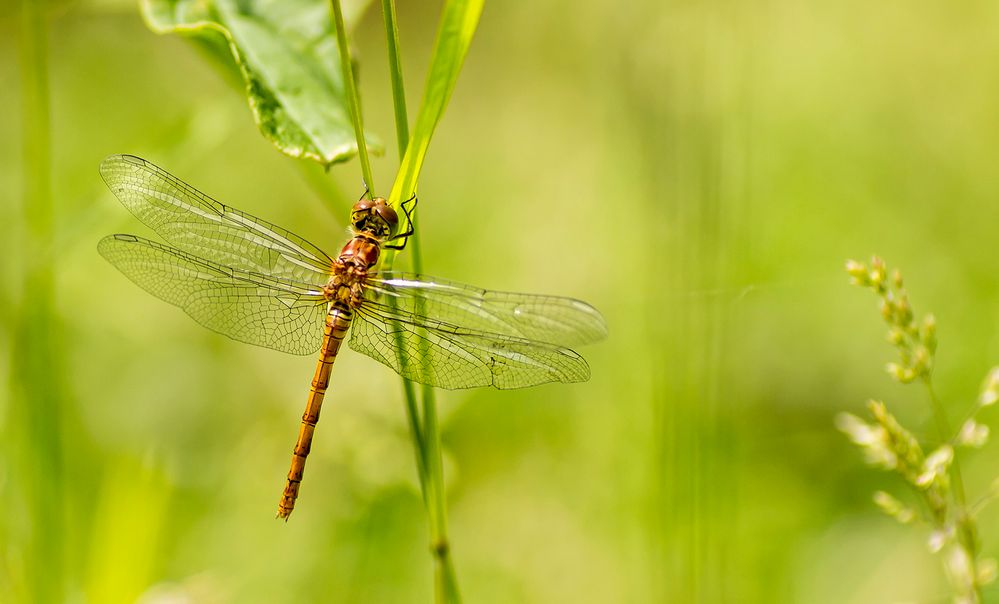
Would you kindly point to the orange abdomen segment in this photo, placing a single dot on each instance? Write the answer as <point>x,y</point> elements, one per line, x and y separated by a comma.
<point>337,324</point>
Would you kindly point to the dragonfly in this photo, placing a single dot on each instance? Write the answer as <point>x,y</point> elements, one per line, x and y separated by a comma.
<point>258,283</point>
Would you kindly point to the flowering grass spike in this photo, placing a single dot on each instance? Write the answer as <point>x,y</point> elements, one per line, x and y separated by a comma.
<point>934,478</point>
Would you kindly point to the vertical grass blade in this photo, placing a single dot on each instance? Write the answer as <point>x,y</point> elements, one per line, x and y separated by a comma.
<point>459,20</point>
<point>35,413</point>
<point>402,138</point>
<point>353,102</point>
<point>395,74</point>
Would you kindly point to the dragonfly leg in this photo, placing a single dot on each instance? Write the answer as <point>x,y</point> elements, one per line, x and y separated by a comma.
<point>409,224</point>
<point>367,190</point>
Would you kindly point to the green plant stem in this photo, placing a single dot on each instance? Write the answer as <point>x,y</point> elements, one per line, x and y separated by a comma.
<point>445,577</point>
<point>426,439</point>
<point>35,406</point>
<point>943,427</point>
<point>459,20</point>
<point>416,432</point>
<point>402,138</point>
<point>395,72</point>
<point>402,132</point>
<point>965,523</point>
<point>353,101</point>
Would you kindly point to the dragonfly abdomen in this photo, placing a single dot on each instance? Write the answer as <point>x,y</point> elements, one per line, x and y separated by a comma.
<point>337,323</point>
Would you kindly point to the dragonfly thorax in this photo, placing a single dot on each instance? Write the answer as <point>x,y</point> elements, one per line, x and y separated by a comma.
<point>350,270</point>
<point>346,286</point>
<point>360,253</point>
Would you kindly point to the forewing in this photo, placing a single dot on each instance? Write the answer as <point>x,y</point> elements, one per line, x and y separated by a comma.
<point>253,308</point>
<point>199,225</point>
<point>447,356</point>
<point>553,319</point>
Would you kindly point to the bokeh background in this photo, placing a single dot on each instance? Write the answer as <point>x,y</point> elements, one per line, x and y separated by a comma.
<point>697,170</point>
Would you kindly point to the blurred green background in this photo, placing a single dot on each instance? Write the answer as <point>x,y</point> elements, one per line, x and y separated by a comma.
<point>697,170</point>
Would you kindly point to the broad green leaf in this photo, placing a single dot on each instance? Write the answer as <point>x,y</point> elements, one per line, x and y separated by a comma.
<point>454,35</point>
<point>287,55</point>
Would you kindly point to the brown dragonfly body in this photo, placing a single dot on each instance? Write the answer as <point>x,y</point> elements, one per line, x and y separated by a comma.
<point>256,282</point>
<point>345,292</point>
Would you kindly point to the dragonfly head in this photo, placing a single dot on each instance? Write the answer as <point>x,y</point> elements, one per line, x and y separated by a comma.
<point>374,216</point>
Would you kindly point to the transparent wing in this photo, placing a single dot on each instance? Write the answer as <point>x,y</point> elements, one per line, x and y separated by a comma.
<point>199,225</point>
<point>249,307</point>
<point>552,319</point>
<point>448,356</point>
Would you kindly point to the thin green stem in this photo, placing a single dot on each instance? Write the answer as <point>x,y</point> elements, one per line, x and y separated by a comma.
<point>354,104</point>
<point>426,440</point>
<point>459,19</point>
<point>416,431</point>
<point>353,101</point>
<point>965,523</point>
<point>943,427</point>
<point>444,574</point>
<point>35,377</point>
<point>395,72</point>
<point>402,138</point>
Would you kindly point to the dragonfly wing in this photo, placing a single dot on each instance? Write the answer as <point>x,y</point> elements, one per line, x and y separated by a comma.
<point>199,225</point>
<point>447,356</point>
<point>253,308</point>
<point>552,319</point>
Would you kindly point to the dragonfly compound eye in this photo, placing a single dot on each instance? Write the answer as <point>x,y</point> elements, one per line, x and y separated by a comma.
<point>387,214</point>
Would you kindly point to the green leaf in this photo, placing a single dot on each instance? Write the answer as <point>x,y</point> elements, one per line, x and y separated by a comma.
<point>454,35</point>
<point>287,55</point>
